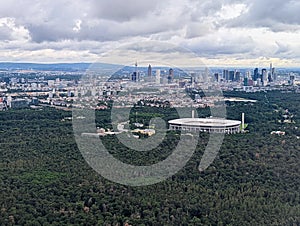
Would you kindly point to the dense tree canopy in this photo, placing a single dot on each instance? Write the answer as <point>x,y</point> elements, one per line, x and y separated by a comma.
<point>253,181</point>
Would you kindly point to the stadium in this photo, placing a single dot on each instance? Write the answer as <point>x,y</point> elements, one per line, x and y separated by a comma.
<point>208,125</point>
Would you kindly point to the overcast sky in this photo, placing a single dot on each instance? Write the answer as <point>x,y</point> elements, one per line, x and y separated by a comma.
<point>220,32</point>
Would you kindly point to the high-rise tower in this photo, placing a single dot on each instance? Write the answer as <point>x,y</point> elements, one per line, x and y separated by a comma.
<point>157,76</point>
<point>226,75</point>
<point>256,74</point>
<point>171,75</point>
<point>264,77</point>
<point>149,70</point>
<point>136,71</point>
<point>270,77</point>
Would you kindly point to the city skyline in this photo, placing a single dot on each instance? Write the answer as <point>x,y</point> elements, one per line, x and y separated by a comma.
<point>138,112</point>
<point>219,33</point>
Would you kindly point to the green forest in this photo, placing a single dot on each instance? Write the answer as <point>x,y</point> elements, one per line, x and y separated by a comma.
<point>254,180</point>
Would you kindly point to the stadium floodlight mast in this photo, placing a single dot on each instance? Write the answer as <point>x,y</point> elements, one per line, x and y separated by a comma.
<point>96,153</point>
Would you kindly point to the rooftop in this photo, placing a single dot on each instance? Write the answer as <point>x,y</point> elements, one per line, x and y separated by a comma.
<point>209,122</point>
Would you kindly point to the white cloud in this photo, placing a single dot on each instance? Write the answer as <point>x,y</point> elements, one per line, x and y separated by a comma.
<point>229,30</point>
<point>77,26</point>
<point>10,31</point>
<point>232,11</point>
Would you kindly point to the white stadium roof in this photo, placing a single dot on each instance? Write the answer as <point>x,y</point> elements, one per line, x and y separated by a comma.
<point>205,122</point>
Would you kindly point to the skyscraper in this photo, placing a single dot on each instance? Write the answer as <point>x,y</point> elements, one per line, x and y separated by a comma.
<point>292,79</point>
<point>157,76</point>
<point>270,77</point>
<point>134,76</point>
<point>237,76</point>
<point>216,77</point>
<point>274,74</point>
<point>246,83</point>
<point>149,70</point>
<point>226,75</point>
<point>171,75</point>
<point>264,77</point>
<point>256,74</point>
<point>231,75</point>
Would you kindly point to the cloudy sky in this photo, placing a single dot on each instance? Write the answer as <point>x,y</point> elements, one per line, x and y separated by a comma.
<point>220,32</point>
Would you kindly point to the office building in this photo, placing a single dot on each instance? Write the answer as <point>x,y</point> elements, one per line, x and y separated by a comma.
<point>256,74</point>
<point>149,71</point>
<point>231,75</point>
<point>171,75</point>
<point>226,75</point>
<point>264,77</point>
<point>157,77</point>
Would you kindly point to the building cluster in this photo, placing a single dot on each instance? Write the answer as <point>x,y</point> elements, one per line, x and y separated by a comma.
<point>22,89</point>
<point>8,102</point>
<point>154,85</point>
<point>261,77</point>
<point>255,79</point>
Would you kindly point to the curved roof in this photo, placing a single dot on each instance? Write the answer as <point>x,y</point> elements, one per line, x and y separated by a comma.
<point>205,122</point>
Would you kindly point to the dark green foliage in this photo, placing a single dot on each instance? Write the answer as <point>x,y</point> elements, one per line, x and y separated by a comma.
<point>255,180</point>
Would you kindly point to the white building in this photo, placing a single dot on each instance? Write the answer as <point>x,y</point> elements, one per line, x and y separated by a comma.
<point>157,77</point>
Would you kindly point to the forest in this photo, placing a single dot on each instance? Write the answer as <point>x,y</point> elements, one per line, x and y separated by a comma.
<point>255,179</point>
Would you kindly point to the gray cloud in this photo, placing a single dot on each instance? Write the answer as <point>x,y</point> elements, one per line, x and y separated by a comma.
<point>120,10</point>
<point>194,29</point>
<point>282,48</point>
<point>100,20</point>
<point>276,15</point>
<point>5,33</point>
<point>227,45</point>
<point>95,26</point>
